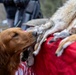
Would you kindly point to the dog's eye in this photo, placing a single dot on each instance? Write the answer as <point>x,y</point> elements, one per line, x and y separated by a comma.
<point>15,35</point>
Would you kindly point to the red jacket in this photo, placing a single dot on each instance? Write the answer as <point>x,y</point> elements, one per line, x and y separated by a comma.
<point>46,63</point>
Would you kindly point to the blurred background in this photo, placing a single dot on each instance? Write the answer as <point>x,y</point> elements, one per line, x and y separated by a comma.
<point>2,13</point>
<point>48,8</point>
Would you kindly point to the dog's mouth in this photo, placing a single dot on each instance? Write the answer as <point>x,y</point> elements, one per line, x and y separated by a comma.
<point>24,55</point>
<point>25,52</point>
<point>32,44</point>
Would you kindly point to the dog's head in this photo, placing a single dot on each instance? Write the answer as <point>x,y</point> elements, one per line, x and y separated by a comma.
<point>13,41</point>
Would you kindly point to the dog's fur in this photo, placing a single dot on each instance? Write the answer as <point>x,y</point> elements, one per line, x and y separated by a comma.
<point>63,20</point>
<point>59,21</point>
<point>68,40</point>
<point>66,32</point>
<point>13,41</point>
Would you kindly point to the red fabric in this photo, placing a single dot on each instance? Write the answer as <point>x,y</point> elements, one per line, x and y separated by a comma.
<point>46,63</point>
<point>23,69</point>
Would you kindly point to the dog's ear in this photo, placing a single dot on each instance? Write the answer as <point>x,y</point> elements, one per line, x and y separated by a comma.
<point>2,46</point>
<point>2,54</point>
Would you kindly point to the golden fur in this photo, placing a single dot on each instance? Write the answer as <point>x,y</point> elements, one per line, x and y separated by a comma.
<point>12,42</point>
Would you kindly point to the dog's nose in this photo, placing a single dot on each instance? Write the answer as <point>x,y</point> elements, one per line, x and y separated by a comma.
<point>34,33</point>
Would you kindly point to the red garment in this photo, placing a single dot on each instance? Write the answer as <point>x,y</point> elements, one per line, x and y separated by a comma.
<point>46,63</point>
<point>23,69</point>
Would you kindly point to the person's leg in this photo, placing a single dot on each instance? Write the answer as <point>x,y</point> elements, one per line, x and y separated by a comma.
<point>10,23</point>
<point>10,12</point>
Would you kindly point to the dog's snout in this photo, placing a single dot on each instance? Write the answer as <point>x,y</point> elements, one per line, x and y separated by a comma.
<point>34,33</point>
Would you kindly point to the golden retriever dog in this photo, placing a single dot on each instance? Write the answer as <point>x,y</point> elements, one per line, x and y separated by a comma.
<point>13,42</point>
